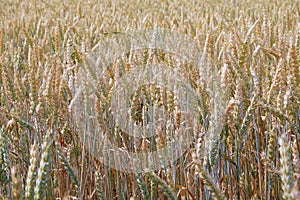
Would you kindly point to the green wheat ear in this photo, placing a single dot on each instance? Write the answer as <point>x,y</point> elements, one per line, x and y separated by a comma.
<point>99,188</point>
<point>163,186</point>
<point>209,183</point>
<point>142,186</point>
<point>69,170</point>
<point>43,170</point>
<point>287,174</point>
<point>31,174</point>
<point>5,164</point>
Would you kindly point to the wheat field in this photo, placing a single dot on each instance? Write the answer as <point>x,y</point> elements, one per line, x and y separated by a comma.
<point>251,47</point>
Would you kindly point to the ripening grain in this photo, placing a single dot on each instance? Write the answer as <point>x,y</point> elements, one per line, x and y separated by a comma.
<point>251,54</point>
